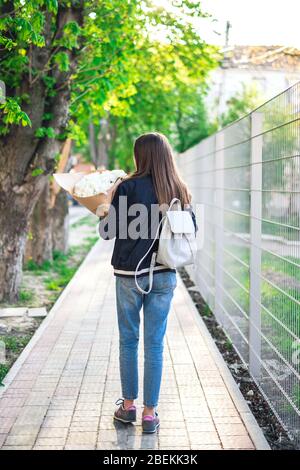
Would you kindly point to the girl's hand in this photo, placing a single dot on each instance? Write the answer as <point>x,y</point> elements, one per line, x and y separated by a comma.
<point>102,210</point>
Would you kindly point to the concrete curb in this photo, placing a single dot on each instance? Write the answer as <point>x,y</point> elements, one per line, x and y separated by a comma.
<point>246,414</point>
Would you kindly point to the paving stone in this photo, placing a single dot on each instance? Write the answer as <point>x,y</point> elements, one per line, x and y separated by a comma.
<point>206,447</point>
<point>205,437</point>
<point>170,441</point>
<point>9,412</point>
<point>56,422</point>
<point>142,442</point>
<point>82,438</point>
<point>15,447</point>
<point>6,424</point>
<point>37,312</point>
<point>79,447</point>
<point>237,442</point>
<point>84,426</point>
<point>194,426</point>
<point>175,448</point>
<point>231,429</point>
<point>53,432</point>
<point>20,440</point>
<point>108,445</point>
<point>50,441</point>
<point>113,434</point>
<point>25,429</point>
<point>13,312</point>
<point>11,402</point>
<point>47,447</point>
<point>58,413</point>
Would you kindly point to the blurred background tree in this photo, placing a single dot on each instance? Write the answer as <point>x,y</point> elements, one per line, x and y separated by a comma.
<point>239,104</point>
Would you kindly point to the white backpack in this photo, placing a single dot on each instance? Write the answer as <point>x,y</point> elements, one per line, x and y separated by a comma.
<point>177,242</point>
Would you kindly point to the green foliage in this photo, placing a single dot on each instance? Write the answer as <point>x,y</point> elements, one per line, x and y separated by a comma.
<point>151,84</point>
<point>37,172</point>
<point>114,66</point>
<point>12,114</point>
<point>14,343</point>
<point>62,60</point>
<point>45,132</point>
<point>206,311</point>
<point>3,371</point>
<point>13,347</point>
<point>33,266</point>
<point>52,5</point>
<point>26,296</point>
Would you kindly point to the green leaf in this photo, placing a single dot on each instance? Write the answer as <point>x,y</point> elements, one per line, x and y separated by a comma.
<point>52,5</point>
<point>37,172</point>
<point>25,121</point>
<point>62,60</point>
<point>45,132</point>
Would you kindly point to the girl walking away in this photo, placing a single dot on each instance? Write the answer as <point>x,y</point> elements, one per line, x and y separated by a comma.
<point>133,217</point>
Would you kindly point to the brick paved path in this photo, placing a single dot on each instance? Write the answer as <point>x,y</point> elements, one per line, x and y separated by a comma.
<point>61,392</point>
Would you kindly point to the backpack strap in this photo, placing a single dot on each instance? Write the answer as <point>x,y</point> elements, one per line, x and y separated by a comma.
<point>174,200</point>
<point>152,264</point>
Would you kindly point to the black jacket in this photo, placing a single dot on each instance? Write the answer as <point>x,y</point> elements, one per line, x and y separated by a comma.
<point>133,227</point>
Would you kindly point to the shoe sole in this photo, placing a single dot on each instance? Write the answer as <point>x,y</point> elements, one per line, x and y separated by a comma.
<point>154,430</point>
<point>124,420</point>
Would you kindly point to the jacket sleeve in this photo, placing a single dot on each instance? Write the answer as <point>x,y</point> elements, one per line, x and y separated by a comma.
<point>109,225</point>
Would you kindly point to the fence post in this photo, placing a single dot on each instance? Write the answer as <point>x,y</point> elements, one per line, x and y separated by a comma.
<point>219,224</point>
<point>255,246</point>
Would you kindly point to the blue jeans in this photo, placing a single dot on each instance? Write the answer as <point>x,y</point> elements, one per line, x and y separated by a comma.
<point>156,306</point>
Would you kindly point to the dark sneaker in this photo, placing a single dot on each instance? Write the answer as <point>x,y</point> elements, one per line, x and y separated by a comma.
<point>126,415</point>
<point>150,423</point>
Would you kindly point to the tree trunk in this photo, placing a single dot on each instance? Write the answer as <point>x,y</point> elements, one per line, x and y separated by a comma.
<point>60,223</point>
<point>39,242</point>
<point>12,242</point>
<point>48,229</point>
<point>15,211</point>
<point>26,160</point>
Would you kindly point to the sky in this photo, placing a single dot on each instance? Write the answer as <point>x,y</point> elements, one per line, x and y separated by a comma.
<point>254,22</point>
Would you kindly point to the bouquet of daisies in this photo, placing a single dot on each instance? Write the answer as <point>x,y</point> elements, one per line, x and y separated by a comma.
<point>92,190</point>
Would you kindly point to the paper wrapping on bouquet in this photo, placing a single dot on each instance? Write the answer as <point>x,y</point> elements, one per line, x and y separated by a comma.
<point>68,180</point>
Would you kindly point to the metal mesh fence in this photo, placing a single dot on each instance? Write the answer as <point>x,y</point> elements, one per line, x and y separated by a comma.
<point>247,176</point>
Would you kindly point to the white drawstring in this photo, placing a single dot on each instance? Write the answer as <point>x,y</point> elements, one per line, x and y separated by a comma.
<point>152,264</point>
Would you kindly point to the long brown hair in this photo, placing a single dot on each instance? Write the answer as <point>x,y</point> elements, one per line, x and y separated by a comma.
<point>153,155</point>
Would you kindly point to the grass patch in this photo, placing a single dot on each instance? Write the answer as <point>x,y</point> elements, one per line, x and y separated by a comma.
<point>3,371</point>
<point>14,345</point>
<point>26,296</point>
<point>87,220</point>
<point>34,267</point>
<point>206,311</point>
